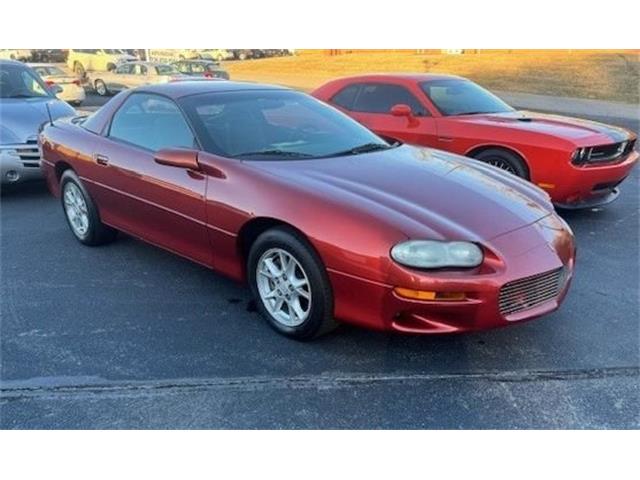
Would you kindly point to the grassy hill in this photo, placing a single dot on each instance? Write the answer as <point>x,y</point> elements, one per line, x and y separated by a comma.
<point>605,75</point>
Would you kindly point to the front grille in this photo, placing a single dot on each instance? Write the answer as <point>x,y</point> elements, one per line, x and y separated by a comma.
<point>29,153</point>
<point>530,292</point>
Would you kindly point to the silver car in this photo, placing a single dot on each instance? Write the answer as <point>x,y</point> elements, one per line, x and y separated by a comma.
<point>134,74</point>
<point>24,99</point>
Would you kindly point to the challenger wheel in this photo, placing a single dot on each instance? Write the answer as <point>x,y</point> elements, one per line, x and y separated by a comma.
<point>81,213</point>
<point>290,285</point>
<point>101,88</point>
<point>504,160</point>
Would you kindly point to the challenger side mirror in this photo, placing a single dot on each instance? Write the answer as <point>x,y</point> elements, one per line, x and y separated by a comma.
<point>178,157</point>
<point>403,110</point>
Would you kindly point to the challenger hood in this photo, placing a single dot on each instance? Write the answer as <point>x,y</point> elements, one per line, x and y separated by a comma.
<point>581,132</point>
<point>20,118</point>
<point>421,191</point>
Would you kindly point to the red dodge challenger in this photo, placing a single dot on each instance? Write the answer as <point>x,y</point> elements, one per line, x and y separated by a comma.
<point>323,218</point>
<point>578,162</point>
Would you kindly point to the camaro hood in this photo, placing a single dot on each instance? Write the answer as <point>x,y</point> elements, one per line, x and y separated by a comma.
<point>20,118</point>
<point>581,132</point>
<point>421,192</point>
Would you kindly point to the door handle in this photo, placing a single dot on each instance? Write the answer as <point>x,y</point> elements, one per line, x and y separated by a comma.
<point>445,139</point>
<point>101,159</point>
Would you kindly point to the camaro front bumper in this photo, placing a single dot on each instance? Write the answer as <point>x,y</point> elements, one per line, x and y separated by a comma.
<point>532,281</point>
<point>16,168</point>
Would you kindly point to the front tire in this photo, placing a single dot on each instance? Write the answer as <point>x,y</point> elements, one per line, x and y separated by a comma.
<point>81,212</point>
<point>504,160</point>
<point>290,284</point>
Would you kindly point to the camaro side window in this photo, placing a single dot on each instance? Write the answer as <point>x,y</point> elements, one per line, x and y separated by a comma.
<point>152,122</point>
<point>380,97</point>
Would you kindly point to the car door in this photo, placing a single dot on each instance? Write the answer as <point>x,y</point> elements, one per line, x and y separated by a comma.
<point>162,204</point>
<point>371,103</point>
<point>119,78</point>
<point>139,76</point>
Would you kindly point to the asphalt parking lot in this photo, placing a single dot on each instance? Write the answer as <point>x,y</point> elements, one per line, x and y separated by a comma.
<point>130,336</point>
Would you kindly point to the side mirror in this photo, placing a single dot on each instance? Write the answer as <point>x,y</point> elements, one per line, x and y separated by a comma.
<point>178,157</point>
<point>401,110</point>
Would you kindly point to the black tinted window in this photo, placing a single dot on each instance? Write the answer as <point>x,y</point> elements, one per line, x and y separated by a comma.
<point>380,97</point>
<point>345,97</point>
<point>152,122</point>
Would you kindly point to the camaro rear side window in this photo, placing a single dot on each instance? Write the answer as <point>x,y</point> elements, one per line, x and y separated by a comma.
<point>152,122</point>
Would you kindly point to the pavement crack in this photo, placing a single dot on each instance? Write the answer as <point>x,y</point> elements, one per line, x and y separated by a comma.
<point>65,387</point>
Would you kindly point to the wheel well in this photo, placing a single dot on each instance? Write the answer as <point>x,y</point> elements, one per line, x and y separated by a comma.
<point>478,150</point>
<point>251,230</point>
<point>60,168</point>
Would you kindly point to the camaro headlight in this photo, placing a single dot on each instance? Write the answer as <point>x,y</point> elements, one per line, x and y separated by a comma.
<point>433,254</point>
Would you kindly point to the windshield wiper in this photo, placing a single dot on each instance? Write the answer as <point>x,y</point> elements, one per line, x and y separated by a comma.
<point>275,152</point>
<point>366,148</point>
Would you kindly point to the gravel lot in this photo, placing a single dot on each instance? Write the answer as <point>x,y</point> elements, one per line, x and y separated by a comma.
<point>129,336</point>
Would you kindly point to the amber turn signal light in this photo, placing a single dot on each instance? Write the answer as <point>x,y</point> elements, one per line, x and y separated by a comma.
<point>426,295</point>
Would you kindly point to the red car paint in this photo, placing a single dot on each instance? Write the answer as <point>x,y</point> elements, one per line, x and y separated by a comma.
<point>352,210</point>
<point>544,142</point>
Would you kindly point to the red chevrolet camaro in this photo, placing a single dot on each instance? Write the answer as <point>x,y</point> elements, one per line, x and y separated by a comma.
<point>324,219</point>
<point>578,162</point>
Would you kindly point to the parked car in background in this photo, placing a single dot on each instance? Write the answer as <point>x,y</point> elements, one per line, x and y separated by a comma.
<point>71,91</point>
<point>82,61</point>
<point>217,54</point>
<point>24,99</point>
<point>49,56</point>
<point>22,55</point>
<point>134,74</point>
<point>168,55</point>
<point>580,163</point>
<point>324,219</point>
<point>201,68</point>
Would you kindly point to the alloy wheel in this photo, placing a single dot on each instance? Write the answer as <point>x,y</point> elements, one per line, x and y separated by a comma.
<point>501,164</point>
<point>284,287</point>
<point>76,209</point>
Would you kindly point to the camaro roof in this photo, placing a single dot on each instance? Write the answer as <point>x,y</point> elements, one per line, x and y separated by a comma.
<point>184,88</point>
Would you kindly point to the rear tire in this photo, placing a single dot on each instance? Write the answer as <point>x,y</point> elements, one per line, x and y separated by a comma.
<point>504,160</point>
<point>81,212</point>
<point>290,285</point>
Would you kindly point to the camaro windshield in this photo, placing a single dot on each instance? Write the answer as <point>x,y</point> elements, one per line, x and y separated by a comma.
<point>462,97</point>
<point>17,81</point>
<point>275,124</point>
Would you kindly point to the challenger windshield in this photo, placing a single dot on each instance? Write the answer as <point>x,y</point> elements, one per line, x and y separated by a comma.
<point>275,124</point>
<point>462,97</point>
